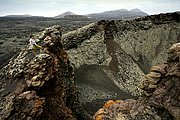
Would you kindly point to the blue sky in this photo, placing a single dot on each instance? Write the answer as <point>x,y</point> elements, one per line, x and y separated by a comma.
<point>50,8</point>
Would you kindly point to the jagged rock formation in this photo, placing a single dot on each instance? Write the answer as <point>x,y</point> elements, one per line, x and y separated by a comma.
<point>41,86</point>
<point>161,95</point>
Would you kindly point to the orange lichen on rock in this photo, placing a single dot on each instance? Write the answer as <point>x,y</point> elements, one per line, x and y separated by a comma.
<point>99,117</point>
<point>112,108</point>
<point>108,104</point>
<point>119,101</point>
<point>99,114</point>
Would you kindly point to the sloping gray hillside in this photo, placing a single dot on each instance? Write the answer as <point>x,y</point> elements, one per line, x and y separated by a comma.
<point>118,14</point>
<point>123,50</point>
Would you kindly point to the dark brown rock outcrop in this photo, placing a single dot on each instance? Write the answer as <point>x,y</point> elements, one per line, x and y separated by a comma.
<point>39,87</point>
<point>161,94</point>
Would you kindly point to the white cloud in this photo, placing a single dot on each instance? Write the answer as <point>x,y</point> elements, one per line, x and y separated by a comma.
<point>56,7</point>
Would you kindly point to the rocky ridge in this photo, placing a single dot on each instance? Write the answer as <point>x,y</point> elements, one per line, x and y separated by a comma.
<point>39,86</point>
<point>160,99</point>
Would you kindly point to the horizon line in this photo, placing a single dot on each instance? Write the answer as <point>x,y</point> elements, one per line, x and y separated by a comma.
<point>31,15</point>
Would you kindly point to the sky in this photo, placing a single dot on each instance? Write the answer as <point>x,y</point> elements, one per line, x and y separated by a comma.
<point>51,8</point>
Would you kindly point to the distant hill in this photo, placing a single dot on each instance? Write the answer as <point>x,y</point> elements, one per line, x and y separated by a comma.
<point>118,14</point>
<point>65,14</point>
<point>107,15</point>
<point>21,16</point>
